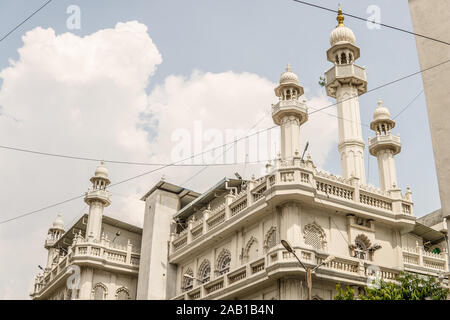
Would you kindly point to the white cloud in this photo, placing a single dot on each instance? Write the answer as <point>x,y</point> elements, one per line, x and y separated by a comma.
<point>71,95</point>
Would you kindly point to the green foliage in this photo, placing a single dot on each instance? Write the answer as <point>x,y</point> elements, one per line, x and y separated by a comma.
<point>407,287</point>
<point>349,293</point>
<point>322,81</point>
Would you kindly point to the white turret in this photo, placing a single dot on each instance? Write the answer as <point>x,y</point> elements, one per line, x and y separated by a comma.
<point>345,81</point>
<point>54,233</point>
<point>384,146</point>
<point>97,198</point>
<point>289,113</point>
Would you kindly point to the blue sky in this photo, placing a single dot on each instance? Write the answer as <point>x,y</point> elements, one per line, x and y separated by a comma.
<point>259,37</point>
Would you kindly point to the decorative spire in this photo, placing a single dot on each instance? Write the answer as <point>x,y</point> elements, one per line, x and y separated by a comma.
<point>340,17</point>
<point>288,68</point>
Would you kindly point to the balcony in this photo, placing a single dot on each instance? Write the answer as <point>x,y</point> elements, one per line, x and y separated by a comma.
<point>87,252</point>
<point>380,142</point>
<point>417,259</point>
<point>293,107</point>
<point>277,263</point>
<point>347,73</point>
<point>299,178</point>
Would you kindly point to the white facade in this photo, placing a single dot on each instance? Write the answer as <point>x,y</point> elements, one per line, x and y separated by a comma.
<point>225,243</point>
<point>97,258</point>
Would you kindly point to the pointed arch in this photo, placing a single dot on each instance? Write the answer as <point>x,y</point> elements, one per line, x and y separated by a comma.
<point>204,271</point>
<point>223,261</point>
<point>251,243</point>
<point>99,291</point>
<point>315,236</point>
<point>270,239</point>
<point>187,283</point>
<point>122,293</point>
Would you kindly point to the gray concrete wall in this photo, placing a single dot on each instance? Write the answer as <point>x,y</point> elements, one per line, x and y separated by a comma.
<point>432,18</point>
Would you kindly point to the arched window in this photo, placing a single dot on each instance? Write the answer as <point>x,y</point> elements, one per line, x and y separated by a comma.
<point>205,271</point>
<point>343,58</point>
<point>251,249</point>
<point>223,262</point>
<point>361,247</point>
<point>314,236</point>
<point>99,292</point>
<point>188,280</point>
<point>122,294</point>
<point>270,240</point>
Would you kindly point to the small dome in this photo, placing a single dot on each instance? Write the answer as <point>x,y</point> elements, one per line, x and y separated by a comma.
<point>101,171</point>
<point>341,34</point>
<point>58,223</point>
<point>381,112</point>
<point>288,76</point>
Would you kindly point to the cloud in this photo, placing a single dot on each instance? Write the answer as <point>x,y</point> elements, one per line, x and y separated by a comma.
<point>70,95</point>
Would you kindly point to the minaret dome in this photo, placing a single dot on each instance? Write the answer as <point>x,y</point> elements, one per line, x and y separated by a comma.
<point>341,34</point>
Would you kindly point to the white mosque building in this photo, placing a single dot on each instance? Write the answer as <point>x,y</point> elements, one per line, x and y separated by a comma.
<point>226,242</point>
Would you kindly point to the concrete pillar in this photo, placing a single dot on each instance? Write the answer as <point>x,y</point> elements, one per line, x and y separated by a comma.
<point>157,278</point>
<point>291,289</point>
<point>94,225</point>
<point>86,282</point>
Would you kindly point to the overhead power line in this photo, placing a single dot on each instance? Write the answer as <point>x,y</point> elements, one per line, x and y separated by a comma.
<point>371,21</point>
<point>247,136</point>
<point>28,18</point>
<point>122,181</point>
<point>205,167</point>
<point>193,156</point>
<point>408,105</point>
<point>383,85</point>
<point>113,161</point>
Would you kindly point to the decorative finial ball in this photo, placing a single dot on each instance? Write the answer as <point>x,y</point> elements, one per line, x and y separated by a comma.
<point>101,171</point>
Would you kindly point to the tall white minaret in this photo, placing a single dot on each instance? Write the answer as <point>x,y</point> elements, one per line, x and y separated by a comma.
<point>97,198</point>
<point>54,233</point>
<point>345,82</point>
<point>384,146</point>
<point>289,113</point>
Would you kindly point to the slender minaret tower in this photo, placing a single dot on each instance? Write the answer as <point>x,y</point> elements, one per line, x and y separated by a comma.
<point>54,233</point>
<point>289,113</point>
<point>345,82</point>
<point>97,198</point>
<point>384,146</point>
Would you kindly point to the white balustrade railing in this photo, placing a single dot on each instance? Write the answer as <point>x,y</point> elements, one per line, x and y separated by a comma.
<point>418,257</point>
<point>82,248</point>
<point>288,172</point>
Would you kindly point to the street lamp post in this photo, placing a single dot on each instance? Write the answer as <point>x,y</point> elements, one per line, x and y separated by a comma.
<point>309,271</point>
<point>193,278</point>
